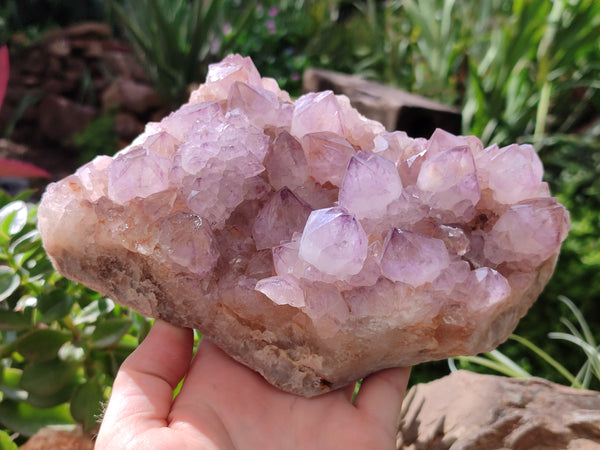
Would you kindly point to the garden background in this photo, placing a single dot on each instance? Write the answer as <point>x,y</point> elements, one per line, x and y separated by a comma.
<point>520,71</point>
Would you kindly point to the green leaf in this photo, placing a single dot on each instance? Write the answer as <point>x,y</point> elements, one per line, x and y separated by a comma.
<point>46,377</point>
<point>6,443</point>
<point>110,332</point>
<point>5,199</point>
<point>546,357</point>
<point>43,267</point>
<point>9,282</point>
<point>63,395</point>
<point>94,310</point>
<point>54,305</point>
<point>25,195</point>
<point>86,404</point>
<point>13,218</point>
<point>13,320</point>
<point>42,345</point>
<point>27,420</point>
<point>11,378</point>
<point>26,245</point>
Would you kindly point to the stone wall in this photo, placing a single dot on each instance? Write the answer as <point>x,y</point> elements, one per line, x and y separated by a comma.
<point>60,84</point>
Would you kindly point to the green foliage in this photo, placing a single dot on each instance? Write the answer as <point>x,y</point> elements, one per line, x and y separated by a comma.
<point>537,57</point>
<point>282,38</point>
<point>6,443</point>
<point>61,343</point>
<point>176,40</point>
<point>572,166</point>
<point>98,138</point>
<point>512,66</point>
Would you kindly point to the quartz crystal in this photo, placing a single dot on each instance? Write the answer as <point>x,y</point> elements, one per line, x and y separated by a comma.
<point>304,239</point>
<point>334,242</point>
<point>413,258</point>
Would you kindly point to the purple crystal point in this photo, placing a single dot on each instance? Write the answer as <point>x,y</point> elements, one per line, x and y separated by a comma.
<point>187,118</point>
<point>260,105</point>
<point>413,258</point>
<point>488,288</point>
<point>328,155</point>
<point>94,176</point>
<point>162,143</point>
<point>370,185</point>
<point>187,241</point>
<point>513,173</point>
<point>530,231</point>
<point>138,173</point>
<point>448,181</point>
<point>285,162</point>
<point>334,242</point>
<point>283,215</point>
<point>282,290</point>
<point>316,112</point>
<point>442,140</point>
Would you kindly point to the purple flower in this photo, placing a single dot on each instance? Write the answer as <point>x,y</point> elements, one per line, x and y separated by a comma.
<point>273,12</point>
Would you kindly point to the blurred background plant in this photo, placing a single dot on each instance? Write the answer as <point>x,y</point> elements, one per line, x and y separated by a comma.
<point>98,138</point>
<point>281,38</point>
<point>60,342</point>
<point>520,71</point>
<point>176,40</point>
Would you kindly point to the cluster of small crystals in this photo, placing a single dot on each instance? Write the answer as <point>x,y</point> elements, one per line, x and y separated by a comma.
<point>345,218</point>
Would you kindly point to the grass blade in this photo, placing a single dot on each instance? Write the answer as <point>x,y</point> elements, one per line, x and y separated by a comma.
<point>493,365</point>
<point>547,358</point>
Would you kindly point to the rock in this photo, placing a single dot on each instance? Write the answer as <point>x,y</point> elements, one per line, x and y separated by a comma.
<point>56,86</point>
<point>131,96</point>
<point>36,62</point>
<point>91,48</point>
<point>89,30</point>
<point>394,108</point>
<point>59,47</point>
<point>470,411</point>
<point>121,62</point>
<point>12,150</point>
<point>304,239</point>
<point>127,126</point>
<point>58,438</point>
<point>94,30</point>
<point>60,118</point>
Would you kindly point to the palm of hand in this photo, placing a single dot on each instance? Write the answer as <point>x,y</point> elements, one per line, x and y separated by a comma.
<point>224,405</point>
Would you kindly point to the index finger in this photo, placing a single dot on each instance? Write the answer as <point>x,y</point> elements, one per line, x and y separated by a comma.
<point>381,395</point>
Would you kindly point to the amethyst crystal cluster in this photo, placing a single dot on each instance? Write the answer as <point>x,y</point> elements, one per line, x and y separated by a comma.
<point>304,239</point>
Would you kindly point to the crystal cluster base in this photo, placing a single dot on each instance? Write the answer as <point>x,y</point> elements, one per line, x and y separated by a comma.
<point>304,239</point>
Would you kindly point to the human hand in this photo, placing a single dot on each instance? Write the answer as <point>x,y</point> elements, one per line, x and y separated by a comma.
<point>224,405</point>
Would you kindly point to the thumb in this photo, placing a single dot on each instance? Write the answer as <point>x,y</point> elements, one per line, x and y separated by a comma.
<point>143,389</point>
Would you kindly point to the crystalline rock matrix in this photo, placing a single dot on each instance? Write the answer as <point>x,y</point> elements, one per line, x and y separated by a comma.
<point>305,240</point>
